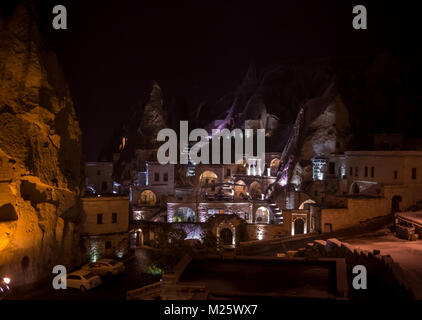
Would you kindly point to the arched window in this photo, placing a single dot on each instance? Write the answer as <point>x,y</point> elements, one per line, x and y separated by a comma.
<point>240,188</point>
<point>255,189</point>
<point>184,214</point>
<point>208,177</point>
<point>305,204</point>
<point>262,215</point>
<point>147,198</point>
<point>275,163</point>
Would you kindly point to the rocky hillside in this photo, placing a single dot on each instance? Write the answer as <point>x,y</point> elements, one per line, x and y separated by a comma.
<point>40,154</point>
<point>315,108</point>
<point>139,133</point>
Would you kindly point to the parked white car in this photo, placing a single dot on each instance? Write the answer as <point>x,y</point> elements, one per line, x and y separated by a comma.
<point>105,267</point>
<point>4,287</point>
<point>83,280</point>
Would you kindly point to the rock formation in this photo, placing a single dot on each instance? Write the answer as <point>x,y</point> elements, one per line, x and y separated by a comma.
<point>40,155</point>
<point>140,136</point>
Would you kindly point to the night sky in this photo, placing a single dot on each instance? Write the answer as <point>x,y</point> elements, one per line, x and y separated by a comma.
<point>113,50</point>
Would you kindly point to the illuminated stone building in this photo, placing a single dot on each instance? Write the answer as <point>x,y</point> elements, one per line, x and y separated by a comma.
<point>105,226</point>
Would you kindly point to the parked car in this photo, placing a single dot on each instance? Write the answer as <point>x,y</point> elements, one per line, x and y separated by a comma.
<point>105,267</point>
<point>83,280</point>
<point>4,287</point>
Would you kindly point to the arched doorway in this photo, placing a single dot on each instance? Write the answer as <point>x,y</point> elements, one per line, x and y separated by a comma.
<point>226,236</point>
<point>240,189</point>
<point>184,214</point>
<point>355,188</point>
<point>136,238</point>
<point>147,198</point>
<point>255,190</point>
<point>262,215</point>
<point>207,177</point>
<point>395,204</point>
<point>299,226</point>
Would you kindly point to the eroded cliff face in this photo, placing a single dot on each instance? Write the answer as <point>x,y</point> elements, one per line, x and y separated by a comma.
<point>40,155</point>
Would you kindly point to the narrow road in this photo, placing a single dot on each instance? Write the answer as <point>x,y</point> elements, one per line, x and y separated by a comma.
<point>111,289</point>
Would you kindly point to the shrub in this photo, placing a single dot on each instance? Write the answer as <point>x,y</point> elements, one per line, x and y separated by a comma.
<point>154,270</point>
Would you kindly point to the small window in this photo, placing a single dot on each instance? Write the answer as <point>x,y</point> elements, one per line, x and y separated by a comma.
<point>156,176</point>
<point>114,217</point>
<point>99,218</point>
<point>414,173</point>
<point>366,171</point>
<point>372,172</point>
<point>98,172</point>
<point>104,186</point>
<point>108,245</point>
<point>316,193</point>
<point>166,176</point>
<point>357,172</point>
<point>351,171</point>
<point>396,174</point>
<point>228,172</point>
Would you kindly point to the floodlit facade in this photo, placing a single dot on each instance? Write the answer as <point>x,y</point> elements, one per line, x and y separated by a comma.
<point>105,226</point>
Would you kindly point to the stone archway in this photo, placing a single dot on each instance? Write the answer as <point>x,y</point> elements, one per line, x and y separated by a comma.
<point>299,227</point>
<point>262,215</point>
<point>226,225</point>
<point>305,204</point>
<point>226,236</point>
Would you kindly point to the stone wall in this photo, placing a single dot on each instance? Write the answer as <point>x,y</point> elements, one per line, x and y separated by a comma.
<point>106,246</point>
<point>40,152</point>
<point>267,231</point>
<point>385,277</point>
<point>357,211</point>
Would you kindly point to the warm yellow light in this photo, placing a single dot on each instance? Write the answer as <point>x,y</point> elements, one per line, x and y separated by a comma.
<point>6,280</point>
